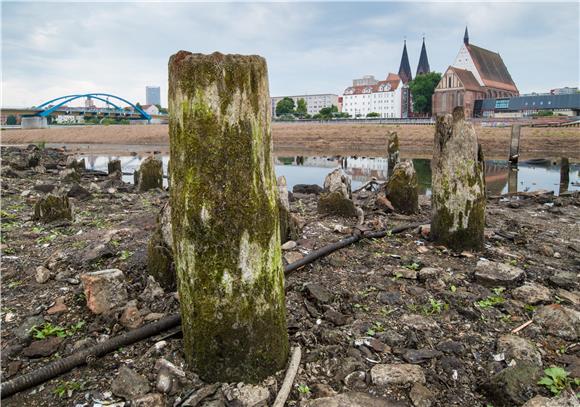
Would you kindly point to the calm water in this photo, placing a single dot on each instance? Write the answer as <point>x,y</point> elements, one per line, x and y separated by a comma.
<point>530,175</point>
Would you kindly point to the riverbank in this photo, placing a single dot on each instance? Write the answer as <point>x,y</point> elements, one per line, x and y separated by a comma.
<point>400,320</point>
<point>364,139</point>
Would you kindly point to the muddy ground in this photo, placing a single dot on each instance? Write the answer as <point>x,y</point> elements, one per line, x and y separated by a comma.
<point>327,138</point>
<point>400,302</point>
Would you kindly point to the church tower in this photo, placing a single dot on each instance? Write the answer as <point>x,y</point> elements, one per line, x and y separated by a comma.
<point>423,66</point>
<point>405,67</point>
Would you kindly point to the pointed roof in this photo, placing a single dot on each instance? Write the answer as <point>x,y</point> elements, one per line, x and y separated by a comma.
<point>466,37</point>
<point>423,66</point>
<point>466,78</point>
<point>405,67</point>
<point>491,68</point>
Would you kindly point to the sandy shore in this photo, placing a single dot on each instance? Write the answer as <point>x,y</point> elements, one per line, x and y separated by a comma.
<point>369,139</point>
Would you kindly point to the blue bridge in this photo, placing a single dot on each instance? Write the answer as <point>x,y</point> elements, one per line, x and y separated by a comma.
<point>46,108</point>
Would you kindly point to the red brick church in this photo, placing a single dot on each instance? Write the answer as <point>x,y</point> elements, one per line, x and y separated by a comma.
<point>477,73</point>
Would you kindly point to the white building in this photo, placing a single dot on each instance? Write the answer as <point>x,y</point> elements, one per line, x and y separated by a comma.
<point>150,109</point>
<point>382,97</point>
<point>313,102</point>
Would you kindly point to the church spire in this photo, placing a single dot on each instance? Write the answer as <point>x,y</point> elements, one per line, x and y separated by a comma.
<point>423,66</point>
<point>405,67</point>
<point>466,37</point>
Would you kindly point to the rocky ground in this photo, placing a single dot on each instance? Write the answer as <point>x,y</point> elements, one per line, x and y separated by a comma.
<point>397,321</point>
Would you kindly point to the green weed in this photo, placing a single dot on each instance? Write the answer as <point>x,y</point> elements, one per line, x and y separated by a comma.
<point>557,379</point>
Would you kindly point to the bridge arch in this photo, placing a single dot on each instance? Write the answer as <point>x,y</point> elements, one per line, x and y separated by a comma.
<point>99,96</point>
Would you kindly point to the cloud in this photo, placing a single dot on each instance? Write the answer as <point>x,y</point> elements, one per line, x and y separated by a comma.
<point>48,51</point>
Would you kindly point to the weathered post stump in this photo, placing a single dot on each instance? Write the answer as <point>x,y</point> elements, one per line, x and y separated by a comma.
<point>114,169</point>
<point>402,188</point>
<point>160,251</point>
<point>225,217</point>
<point>458,200</point>
<point>515,144</point>
<point>53,207</point>
<point>150,174</point>
<point>78,165</point>
<point>393,151</point>
<point>336,196</point>
<point>564,174</point>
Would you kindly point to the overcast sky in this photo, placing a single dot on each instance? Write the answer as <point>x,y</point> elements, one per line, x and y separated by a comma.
<point>49,50</point>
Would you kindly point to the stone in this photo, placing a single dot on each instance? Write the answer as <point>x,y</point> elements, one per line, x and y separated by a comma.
<point>390,297</point>
<point>52,208</point>
<point>105,290</point>
<point>42,275</point>
<point>427,273</point>
<point>114,167</point>
<point>335,317</point>
<point>418,322</point>
<point>493,274</point>
<point>322,390</point>
<point>150,174</point>
<point>458,184</point>
<point>565,399</point>
<point>307,189</point>
<point>421,396</point>
<point>565,279</point>
<point>58,307</point>
<point>253,396</point>
<point>402,188</point>
<point>391,338</point>
<point>398,373</point>
<point>131,317</point>
<point>382,203</point>
<point>43,348</point>
<point>169,377</point>
<point>532,293</point>
<point>420,355</point>
<point>225,218</point>
<point>568,296</point>
<point>289,245</point>
<point>403,272</point>
<point>76,191</point>
<point>547,250</point>
<point>96,252</point>
<point>519,349</point>
<point>392,151</point>
<point>292,257</point>
<point>353,399</point>
<point>559,321</point>
<point>513,385</point>
<point>451,347</point>
<point>160,262</point>
<point>129,384</point>
<point>149,400</point>
<point>69,175</point>
<point>23,330</point>
<point>356,380</point>
<point>318,293</point>
<point>336,199</point>
<point>44,188</point>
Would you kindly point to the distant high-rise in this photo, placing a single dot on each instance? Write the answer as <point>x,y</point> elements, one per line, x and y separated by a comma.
<point>152,95</point>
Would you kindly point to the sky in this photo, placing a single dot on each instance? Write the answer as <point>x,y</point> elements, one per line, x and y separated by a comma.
<point>53,49</point>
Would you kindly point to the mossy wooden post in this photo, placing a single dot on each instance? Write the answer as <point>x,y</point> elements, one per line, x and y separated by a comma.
<point>150,174</point>
<point>225,217</point>
<point>393,151</point>
<point>402,188</point>
<point>114,167</point>
<point>458,200</point>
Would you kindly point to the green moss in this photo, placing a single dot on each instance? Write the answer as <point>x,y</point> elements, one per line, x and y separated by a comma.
<point>334,203</point>
<point>403,190</point>
<point>52,207</point>
<point>224,212</point>
<point>150,174</point>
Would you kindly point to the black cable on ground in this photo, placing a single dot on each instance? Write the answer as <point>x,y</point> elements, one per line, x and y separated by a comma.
<point>61,366</point>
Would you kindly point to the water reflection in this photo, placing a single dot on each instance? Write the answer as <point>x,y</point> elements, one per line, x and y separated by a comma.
<point>501,177</point>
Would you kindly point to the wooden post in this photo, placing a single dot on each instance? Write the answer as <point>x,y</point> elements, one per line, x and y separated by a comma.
<point>515,144</point>
<point>458,200</point>
<point>564,174</point>
<point>224,216</point>
<point>513,178</point>
<point>393,151</point>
